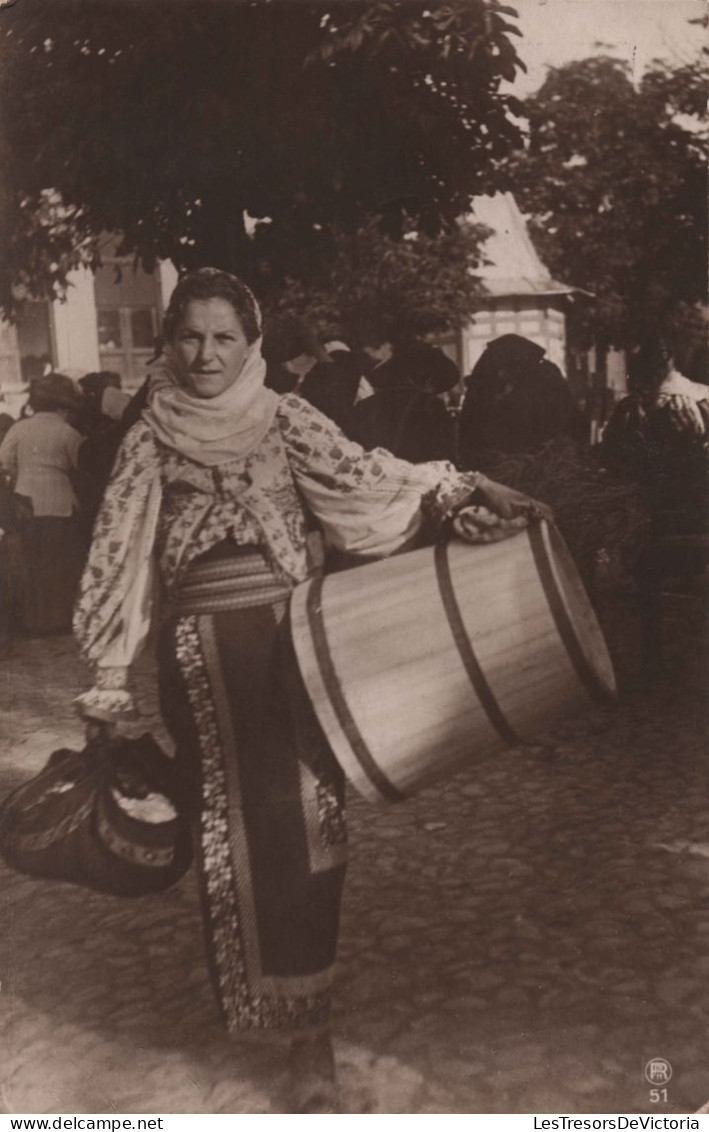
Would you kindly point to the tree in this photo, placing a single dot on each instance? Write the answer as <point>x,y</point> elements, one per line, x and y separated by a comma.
<point>405,288</point>
<point>173,122</point>
<point>614,179</point>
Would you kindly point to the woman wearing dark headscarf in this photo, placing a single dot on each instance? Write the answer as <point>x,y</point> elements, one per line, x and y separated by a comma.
<point>516,401</point>
<point>212,489</point>
<point>40,455</point>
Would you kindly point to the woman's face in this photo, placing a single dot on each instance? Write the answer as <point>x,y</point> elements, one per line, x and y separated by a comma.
<point>209,347</point>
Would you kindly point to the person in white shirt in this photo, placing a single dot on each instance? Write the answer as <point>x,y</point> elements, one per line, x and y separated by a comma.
<point>39,456</point>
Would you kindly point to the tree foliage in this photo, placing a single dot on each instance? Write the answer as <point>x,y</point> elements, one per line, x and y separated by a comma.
<point>614,178</point>
<point>404,288</point>
<point>169,121</point>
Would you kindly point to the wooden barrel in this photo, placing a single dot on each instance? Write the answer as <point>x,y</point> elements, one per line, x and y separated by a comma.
<point>417,663</point>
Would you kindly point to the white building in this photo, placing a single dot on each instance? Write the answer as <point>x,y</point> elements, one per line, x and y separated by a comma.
<point>520,296</point>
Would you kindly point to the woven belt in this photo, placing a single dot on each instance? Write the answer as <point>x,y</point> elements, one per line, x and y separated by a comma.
<point>237,583</point>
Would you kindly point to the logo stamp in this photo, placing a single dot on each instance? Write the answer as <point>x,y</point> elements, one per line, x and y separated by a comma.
<point>658,1071</point>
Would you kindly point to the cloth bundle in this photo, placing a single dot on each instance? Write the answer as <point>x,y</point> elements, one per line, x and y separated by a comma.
<point>106,818</point>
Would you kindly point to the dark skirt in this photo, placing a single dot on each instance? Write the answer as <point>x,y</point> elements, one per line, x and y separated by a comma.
<point>267,796</point>
<point>49,565</point>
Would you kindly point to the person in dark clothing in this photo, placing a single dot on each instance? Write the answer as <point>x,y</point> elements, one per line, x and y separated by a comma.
<point>658,438</point>
<point>94,386</point>
<point>137,403</point>
<point>405,415</point>
<point>297,363</point>
<point>334,386</point>
<point>290,351</point>
<point>516,401</point>
<point>103,434</point>
<point>6,423</point>
<point>100,447</point>
<point>430,367</point>
<point>279,379</point>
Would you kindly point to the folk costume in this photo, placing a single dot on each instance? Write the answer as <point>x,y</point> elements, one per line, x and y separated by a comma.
<point>215,497</point>
<point>662,442</point>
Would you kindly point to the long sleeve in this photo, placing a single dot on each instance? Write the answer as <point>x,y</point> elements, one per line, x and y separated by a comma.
<point>368,503</point>
<point>113,613</point>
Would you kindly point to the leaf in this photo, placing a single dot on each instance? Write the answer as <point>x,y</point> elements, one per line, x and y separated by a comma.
<point>256,107</point>
<point>643,249</point>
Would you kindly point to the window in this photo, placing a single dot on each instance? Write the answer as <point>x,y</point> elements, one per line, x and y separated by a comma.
<point>109,330</point>
<point>129,312</point>
<point>142,328</point>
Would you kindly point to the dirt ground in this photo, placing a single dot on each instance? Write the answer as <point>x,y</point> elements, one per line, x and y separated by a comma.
<point>525,937</point>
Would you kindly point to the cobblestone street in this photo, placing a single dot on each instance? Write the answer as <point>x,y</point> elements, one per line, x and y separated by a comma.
<point>524,937</point>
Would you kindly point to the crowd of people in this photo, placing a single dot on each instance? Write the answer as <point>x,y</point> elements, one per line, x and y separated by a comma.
<point>402,396</point>
<point>49,493</point>
<point>406,396</point>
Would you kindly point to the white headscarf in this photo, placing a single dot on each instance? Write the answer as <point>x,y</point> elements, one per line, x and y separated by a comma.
<point>212,430</point>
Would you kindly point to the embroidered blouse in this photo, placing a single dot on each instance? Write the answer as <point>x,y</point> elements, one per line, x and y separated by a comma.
<point>161,509</point>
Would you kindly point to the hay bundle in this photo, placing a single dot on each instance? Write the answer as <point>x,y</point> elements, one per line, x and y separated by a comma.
<point>600,517</point>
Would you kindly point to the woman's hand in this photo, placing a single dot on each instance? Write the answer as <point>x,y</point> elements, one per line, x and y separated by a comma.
<point>510,504</point>
<point>478,524</point>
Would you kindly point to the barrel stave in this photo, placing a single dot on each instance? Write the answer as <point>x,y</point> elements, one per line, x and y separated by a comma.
<point>418,663</point>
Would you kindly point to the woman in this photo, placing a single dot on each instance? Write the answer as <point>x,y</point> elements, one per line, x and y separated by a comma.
<point>40,456</point>
<point>659,436</point>
<point>216,487</point>
<point>405,414</point>
<point>516,401</point>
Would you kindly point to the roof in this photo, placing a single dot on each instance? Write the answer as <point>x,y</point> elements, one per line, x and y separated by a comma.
<point>514,267</point>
